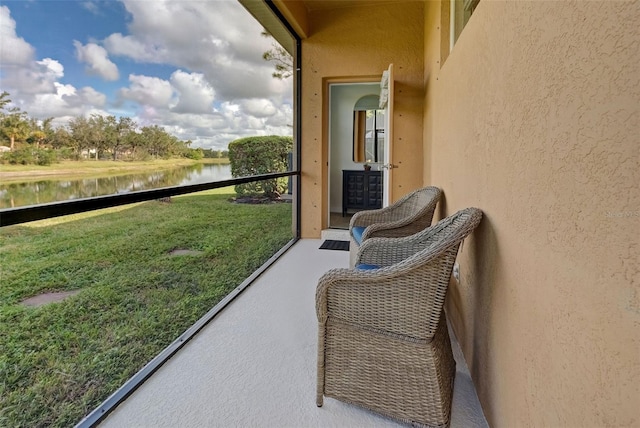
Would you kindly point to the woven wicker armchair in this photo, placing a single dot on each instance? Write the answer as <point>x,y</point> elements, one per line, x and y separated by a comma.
<point>383,342</point>
<point>407,216</point>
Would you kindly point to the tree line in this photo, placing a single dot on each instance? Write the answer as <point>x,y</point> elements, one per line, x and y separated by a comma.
<point>215,154</point>
<point>97,137</point>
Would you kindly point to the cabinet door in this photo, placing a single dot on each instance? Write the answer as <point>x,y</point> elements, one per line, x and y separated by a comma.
<point>374,187</point>
<point>354,188</point>
<point>361,190</point>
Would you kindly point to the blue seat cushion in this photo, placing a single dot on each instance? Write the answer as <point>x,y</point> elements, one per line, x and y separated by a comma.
<point>357,233</point>
<point>364,266</point>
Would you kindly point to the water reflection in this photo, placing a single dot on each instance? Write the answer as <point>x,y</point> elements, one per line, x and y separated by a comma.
<point>44,191</point>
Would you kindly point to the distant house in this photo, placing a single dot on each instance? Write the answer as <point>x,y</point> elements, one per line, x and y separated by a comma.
<point>88,153</point>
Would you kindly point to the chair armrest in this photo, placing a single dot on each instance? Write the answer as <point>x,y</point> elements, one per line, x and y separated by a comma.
<point>368,217</point>
<point>398,220</point>
<point>398,228</point>
<point>375,221</point>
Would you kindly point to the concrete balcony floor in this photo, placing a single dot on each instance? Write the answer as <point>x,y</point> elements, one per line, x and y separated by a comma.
<point>254,365</point>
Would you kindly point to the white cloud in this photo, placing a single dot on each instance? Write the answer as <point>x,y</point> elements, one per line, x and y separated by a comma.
<point>93,97</point>
<point>259,107</point>
<point>14,50</point>
<point>134,48</point>
<point>66,102</point>
<point>97,60</point>
<point>195,93</point>
<point>86,96</point>
<point>218,39</point>
<point>282,119</point>
<point>50,69</point>
<point>215,86</point>
<point>34,78</point>
<point>205,124</point>
<point>23,76</point>
<point>147,90</point>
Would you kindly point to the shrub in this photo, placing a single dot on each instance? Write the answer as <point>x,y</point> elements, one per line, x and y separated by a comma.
<point>18,157</point>
<point>260,155</point>
<point>195,154</point>
<point>30,156</point>
<point>66,153</point>
<point>45,157</point>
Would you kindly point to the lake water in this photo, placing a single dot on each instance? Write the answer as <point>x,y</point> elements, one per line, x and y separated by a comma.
<point>52,190</point>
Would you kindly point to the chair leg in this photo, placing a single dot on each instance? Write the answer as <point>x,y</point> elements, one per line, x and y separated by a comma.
<point>320,370</point>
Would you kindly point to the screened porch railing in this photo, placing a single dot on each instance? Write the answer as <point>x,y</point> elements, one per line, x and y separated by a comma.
<point>11,216</point>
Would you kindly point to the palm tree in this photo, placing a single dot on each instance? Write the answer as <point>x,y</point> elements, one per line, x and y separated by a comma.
<point>41,133</point>
<point>15,126</point>
<point>4,100</point>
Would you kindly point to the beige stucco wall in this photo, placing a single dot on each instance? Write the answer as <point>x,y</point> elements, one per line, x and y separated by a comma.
<point>359,43</point>
<point>534,118</point>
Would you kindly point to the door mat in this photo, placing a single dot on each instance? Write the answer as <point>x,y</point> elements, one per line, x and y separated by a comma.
<point>330,244</point>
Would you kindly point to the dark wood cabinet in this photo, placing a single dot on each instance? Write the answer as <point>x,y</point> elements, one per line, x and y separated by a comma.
<point>361,190</point>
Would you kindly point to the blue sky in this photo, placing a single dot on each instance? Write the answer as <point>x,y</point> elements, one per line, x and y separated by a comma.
<point>193,67</point>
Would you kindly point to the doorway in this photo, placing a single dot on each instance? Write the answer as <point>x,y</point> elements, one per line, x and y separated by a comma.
<point>342,101</point>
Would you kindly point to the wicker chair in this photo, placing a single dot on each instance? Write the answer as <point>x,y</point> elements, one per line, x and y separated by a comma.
<point>383,342</point>
<point>405,217</point>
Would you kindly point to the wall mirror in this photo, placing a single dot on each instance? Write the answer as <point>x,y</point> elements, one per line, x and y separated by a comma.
<point>368,130</point>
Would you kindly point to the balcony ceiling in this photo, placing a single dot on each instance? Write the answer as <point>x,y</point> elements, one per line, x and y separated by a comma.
<point>315,5</point>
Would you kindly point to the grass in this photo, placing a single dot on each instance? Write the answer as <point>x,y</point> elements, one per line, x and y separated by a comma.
<point>61,360</point>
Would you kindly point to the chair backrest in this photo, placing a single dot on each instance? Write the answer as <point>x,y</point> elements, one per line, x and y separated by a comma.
<point>416,211</point>
<point>432,264</point>
<point>418,200</point>
<point>449,231</point>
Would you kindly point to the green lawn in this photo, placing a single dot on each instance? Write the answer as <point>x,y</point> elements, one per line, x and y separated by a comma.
<point>60,361</point>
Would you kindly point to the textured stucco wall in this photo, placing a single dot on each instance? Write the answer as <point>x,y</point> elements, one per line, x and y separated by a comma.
<point>534,118</point>
<point>360,42</point>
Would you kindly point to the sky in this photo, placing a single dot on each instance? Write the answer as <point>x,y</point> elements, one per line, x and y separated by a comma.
<point>193,67</point>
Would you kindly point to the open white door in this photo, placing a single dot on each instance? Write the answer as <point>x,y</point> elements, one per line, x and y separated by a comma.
<point>386,103</point>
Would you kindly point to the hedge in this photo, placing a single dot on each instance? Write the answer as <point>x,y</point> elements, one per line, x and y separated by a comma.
<point>260,155</point>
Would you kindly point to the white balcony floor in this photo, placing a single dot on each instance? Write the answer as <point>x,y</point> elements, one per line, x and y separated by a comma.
<point>254,365</point>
